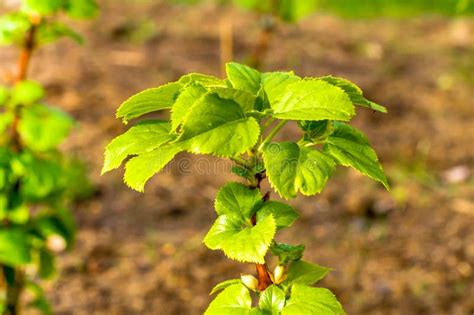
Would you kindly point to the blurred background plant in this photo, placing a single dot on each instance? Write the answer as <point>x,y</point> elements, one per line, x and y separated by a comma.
<point>271,13</point>
<point>37,182</point>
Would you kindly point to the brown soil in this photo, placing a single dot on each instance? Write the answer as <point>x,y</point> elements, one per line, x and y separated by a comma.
<point>407,252</point>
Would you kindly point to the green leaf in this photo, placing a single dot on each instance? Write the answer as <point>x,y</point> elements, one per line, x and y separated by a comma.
<point>316,130</point>
<point>239,240</point>
<point>42,7</point>
<point>219,127</point>
<point>260,6</point>
<point>27,93</point>
<point>350,147</point>
<point>291,168</point>
<point>4,95</point>
<point>13,28</point>
<point>355,93</point>
<point>18,215</point>
<point>202,79</point>
<point>313,99</point>
<point>272,300</point>
<point>243,77</point>
<point>43,128</point>
<point>141,168</point>
<point>287,253</point>
<point>245,99</point>
<point>283,214</point>
<point>40,301</point>
<point>237,170</point>
<point>306,300</point>
<point>47,264</point>
<point>14,247</point>
<point>50,32</point>
<point>185,101</point>
<point>234,300</point>
<point>224,284</point>
<point>306,273</point>
<point>275,84</point>
<point>81,9</point>
<point>6,120</point>
<point>148,101</point>
<point>292,11</point>
<point>238,199</point>
<point>41,176</point>
<point>378,9</point>
<point>143,137</point>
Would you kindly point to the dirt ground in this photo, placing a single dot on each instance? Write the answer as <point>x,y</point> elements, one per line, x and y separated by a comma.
<point>407,252</point>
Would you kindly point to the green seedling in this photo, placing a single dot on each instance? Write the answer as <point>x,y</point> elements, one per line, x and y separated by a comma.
<point>237,118</point>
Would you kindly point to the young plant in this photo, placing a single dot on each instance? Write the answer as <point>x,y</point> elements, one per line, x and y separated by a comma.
<point>237,118</point>
<point>271,13</point>
<point>36,180</point>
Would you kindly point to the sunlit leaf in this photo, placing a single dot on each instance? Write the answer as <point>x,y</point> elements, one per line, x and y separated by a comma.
<point>351,148</point>
<point>141,168</point>
<point>239,240</point>
<point>275,84</point>
<point>306,273</point>
<point>272,300</point>
<point>14,247</point>
<point>291,168</point>
<point>234,300</point>
<point>184,102</point>
<point>306,300</point>
<point>143,137</point>
<point>237,199</point>
<point>355,93</point>
<point>224,284</point>
<point>283,214</point>
<point>218,126</point>
<point>243,77</point>
<point>148,101</point>
<point>313,99</point>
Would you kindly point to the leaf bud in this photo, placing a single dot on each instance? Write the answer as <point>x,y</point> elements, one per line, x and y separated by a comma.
<point>56,243</point>
<point>279,274</point>
<point>249,281</point>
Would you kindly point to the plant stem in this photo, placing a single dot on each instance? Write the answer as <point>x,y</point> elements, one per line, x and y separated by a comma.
<point>267,123</point>
<point>263,276</point>
<point>264,280</point>
<point>267,29</point>
<point>15,288</point>
<point>23,66</point>
<point>14,291</point>
<point>25,53</point>
<point>272,134</point>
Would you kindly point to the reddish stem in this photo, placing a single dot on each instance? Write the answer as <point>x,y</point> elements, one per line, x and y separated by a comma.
<point>263,276</point>
<point>23,66</point>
